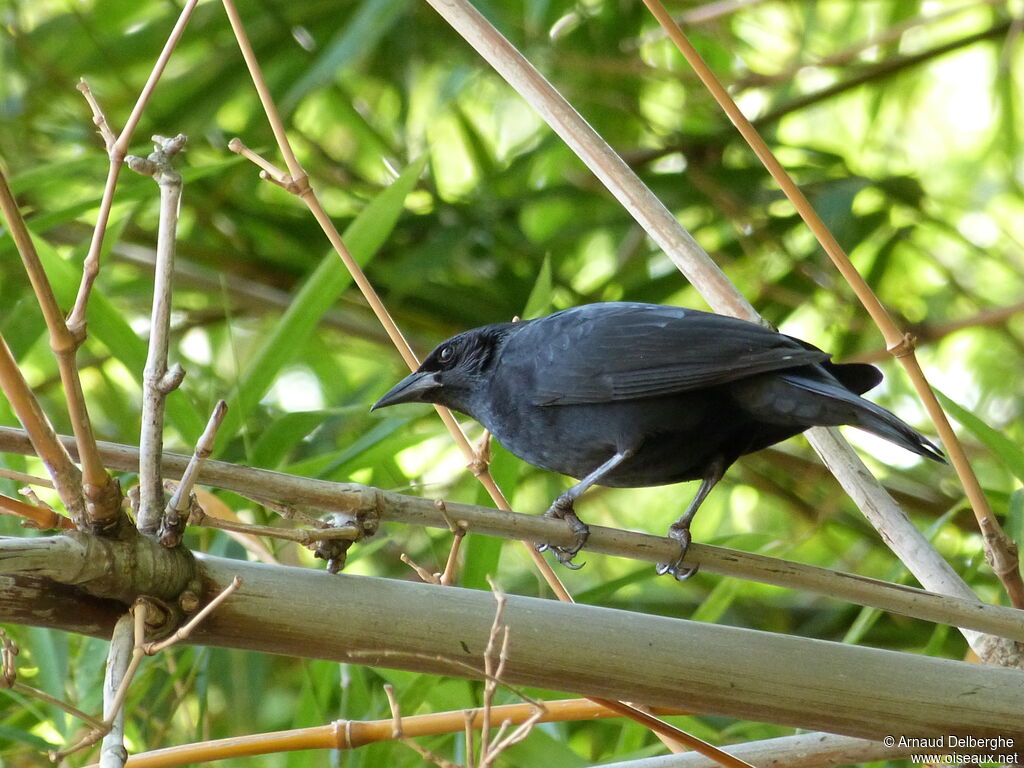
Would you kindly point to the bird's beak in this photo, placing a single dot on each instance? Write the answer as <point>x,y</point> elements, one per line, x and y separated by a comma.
<point>414,388</point>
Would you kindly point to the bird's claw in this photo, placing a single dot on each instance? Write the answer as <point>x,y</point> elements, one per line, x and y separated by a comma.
<point>562,509</point>
<point>676,568</point>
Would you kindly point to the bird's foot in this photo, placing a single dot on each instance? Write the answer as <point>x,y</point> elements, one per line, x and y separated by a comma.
<point>676,568</point>
<point>562,509</point>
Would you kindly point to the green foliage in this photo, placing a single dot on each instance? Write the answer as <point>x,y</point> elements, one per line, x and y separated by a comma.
<point>465,210</point>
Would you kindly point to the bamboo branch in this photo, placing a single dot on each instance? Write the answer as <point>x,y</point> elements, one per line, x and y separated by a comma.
<point>880,71</point>
<point>891,34</point>
<point>935,331</point>
<point>117,150</point>
<point>101,503</point>
<point>122,662</point>
<point>67,478</point>
<point>158,381</point>
<point>352,734</point>
<point>961,609</point>
<point>800,682</point>
<point>176,513</point>
<point>806,750</point>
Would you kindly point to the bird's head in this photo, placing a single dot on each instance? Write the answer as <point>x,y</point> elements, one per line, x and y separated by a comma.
<point>455,374</point>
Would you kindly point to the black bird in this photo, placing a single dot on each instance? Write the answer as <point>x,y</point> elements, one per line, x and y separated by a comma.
<point>627,395</point>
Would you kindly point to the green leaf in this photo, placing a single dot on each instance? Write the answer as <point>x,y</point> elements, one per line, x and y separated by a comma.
<point>280,437</point>
<point>317,294</point>
<point>1015,517</point>
<point>1005,449</point>
<point>17,735</point>
<point>718,601</point>
<point>539,302</point>
<point>367,26</point>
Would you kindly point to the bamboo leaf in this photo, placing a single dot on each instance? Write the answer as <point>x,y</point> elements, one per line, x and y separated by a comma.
<point>329,279</point>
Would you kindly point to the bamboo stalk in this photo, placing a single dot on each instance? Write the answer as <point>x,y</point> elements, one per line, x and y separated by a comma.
<point>962,609</point>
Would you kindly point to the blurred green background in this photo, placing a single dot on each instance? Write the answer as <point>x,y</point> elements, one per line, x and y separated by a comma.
<point>901,120</point>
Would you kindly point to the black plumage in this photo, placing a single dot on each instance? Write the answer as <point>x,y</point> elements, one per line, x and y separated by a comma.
<point>627,395</point>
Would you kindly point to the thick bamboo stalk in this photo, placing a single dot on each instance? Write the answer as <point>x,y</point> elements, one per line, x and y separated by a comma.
<point>351,498</point>
<point>734,672</point>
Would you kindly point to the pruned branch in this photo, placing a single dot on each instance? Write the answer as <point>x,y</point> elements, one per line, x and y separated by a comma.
<point>158,381</point>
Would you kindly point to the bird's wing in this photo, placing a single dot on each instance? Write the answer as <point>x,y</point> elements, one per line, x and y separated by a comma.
<point>620,351</point>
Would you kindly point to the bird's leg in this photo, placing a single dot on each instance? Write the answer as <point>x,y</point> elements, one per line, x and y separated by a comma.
<point>680,529</point>
<point>562,509</point>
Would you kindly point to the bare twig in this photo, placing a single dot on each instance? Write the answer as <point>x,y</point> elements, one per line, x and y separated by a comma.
<point>66,477</point>
<point>459,529</point>
<point>445,578</point>
<point>494,657</point>
<point>929,331</point>
<point>23,477</point>
<point>98,118</point>
<point>182,633</point>
<point>158,381</point>
<point>176,513</point>
<point>123,659</point>
<point>397,732</point>
<point>117,152</point>
<point>35,516</point>
<point>303,536</point>
<point>1000,550</point>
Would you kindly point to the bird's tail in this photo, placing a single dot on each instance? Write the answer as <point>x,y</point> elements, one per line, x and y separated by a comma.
<point>871,417</point>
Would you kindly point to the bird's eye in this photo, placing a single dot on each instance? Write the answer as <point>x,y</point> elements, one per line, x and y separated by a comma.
<point>446,354</point>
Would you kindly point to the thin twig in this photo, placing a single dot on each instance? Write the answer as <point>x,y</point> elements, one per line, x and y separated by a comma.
<point>66,476</point>
<point>23,477</point>
<point>117,152</point>
<point>123,659</point>
<point>459,529</point>
<point>397,733</point>
<point>1000,550</point>
<point>176,513</point>
<point>303,536</point>
<point>157,380</point>
<point>98,118</point>
<point>890,34</point>
<point>934,331</point>
<point>128,648</point>
<point>35,516</point>
<point>446,577</point>
<point>182,633</point>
